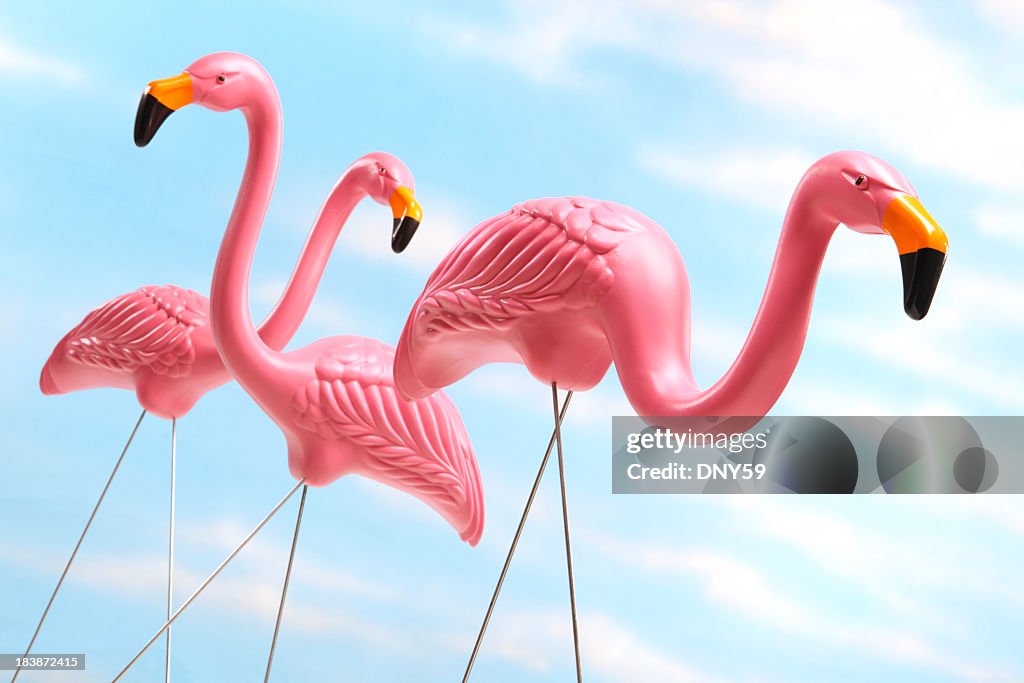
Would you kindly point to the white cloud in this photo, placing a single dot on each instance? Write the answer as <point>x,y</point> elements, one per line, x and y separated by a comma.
<point>1002,223</point>
<point>444,222</point>
<point>955,366</point>
<point>763,178</point>
<point>513,384</point>
<point>748,591</point>
<point>541,40</point>
<point>913,91</point>
<point>252,589</point>
<point>878,566</point>
<point>18,62</point>
<point>1006,512</point>
<point>597,406</point>
<point>620,655</point>
<point>969,310</point>
<point>537,640</point>
<point>1007,15</point>
<point>862,256</point>
<point>326,313</point>
<point>843,394</point>
<point>224,534</point>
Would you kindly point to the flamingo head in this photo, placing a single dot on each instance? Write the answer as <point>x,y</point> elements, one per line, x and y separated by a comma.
<point>221,81</point>
<point>868,195</point>
<point>388,181</point>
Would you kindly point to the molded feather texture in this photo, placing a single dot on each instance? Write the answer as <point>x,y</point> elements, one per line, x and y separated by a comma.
<point>541,256</point>
<point>150,327</point>
<point>408,444</point>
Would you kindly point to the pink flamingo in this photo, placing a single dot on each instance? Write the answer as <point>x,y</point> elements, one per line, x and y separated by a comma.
<point>157,341</point>
<point>334,400</point>
<point>567,285</point>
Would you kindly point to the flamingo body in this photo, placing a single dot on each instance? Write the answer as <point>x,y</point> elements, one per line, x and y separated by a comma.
<point>344,416</point>
<point>568,285</point>
<point>155,341</point>
<point>334,400</point>
<point>525,286</point>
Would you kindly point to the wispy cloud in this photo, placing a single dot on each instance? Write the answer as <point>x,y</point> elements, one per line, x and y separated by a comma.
<point>761,177</point>
<point>535,640</point>
<point>21,63</point>
<point>367,232</point>
<point>748,591</point>
<point>969,311</point>
<point>909,90</point>
<point>621,655</point>
<point>252,590</point>
<point>1004,224</point>
<point>223,535</point>
<point>444,222</point>
<point>1006,15</point>
<point>326,313</point>
<point>801,58</point>
<point>541,40</point>
<point>513,384</point>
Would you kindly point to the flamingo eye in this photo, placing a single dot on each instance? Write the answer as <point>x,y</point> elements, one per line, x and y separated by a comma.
<point>861,182</point>
<point>382,170</point>
<point>221,78</point>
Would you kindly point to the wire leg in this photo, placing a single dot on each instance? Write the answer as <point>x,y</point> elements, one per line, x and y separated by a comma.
<point>568,544</point>
<point>205,584</point>
<point>515,543</point>
<point>170,549</point>
<point>287,579</point>
<point>60,581</point>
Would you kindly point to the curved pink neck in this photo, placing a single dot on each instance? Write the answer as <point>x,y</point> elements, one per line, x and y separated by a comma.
<point>651,342</point>
<point>240,347</point>
<point>765,364</point>
<point>282,322</point>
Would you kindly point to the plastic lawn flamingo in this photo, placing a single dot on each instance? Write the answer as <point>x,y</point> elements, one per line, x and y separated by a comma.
<point>157,341</point>
<point>567,285</point>
<point>334,400</point>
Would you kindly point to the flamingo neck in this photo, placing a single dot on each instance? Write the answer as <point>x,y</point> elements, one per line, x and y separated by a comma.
<point>239,345</point>
<point>282,322</point>
<point>761,371</point>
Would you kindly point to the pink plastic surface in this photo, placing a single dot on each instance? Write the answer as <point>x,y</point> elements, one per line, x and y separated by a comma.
<point>157,341</point>
<point>334,400</point>
<point>568,285</point>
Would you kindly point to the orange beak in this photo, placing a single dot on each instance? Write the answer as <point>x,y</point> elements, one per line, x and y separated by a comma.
<point>160,99</point>
<point>922,246</point>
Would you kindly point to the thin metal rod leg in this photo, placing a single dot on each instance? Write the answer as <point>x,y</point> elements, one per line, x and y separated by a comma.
<point>287,579</point>
<point>170,549</point>
<point>60,581</point>
<point>203,586</point>
<point>515,543</point>
<point>568,544</point>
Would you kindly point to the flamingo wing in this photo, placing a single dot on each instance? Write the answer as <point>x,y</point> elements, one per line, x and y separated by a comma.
<point>150,327</point>
<point>421,447</point>
<point>541,256</point>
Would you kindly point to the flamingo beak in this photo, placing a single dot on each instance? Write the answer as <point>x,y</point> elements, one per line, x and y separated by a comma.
<point>922,246</point>
<point>160,99</point>
<point>408,214</point>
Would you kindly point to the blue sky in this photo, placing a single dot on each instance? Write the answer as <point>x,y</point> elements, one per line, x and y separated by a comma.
<point>701,115</point>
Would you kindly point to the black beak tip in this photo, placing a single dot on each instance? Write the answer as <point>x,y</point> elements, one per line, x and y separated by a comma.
<point>401,235</point>
<point>148,119</point>
<point>921,272</point>
<point>915,313</point>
